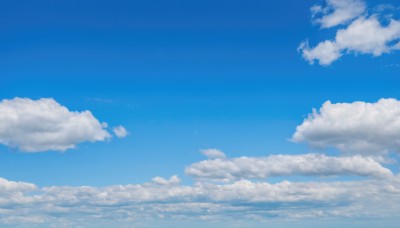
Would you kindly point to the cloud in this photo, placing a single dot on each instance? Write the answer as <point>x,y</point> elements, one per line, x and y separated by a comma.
<point>244,193</point>
<point>357,127</point>
<point>240,200</point>
<point>13,186</point>
<point>120,131</point>
<point>285,165</point>
<point>42,125</point>
<point>213,153</point>
<point>337,12</point>
<point>174,180</point>
<point>325,52</point>
<point>365,34</point>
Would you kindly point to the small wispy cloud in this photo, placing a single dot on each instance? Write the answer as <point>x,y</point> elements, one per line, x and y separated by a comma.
<point>120,131</point>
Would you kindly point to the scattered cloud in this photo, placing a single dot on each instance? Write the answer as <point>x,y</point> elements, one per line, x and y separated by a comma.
<point>234,189</point>
<point>285,165</point>
<point>372,34</point>
<point>325,52</point>
<point>174,180</point>
<point>213,153</point>
<point>120,131</point>
<point>42,125</point>
<point>337,12</point>
<point>358,127</point>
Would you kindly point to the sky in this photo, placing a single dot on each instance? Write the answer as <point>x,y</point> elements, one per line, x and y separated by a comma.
<point>202,113</point>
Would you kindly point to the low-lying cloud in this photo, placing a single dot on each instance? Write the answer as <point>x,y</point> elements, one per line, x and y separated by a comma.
<point>285,165</point>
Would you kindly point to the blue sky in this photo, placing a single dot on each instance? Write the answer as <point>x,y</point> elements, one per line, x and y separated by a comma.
<point>182,76</point>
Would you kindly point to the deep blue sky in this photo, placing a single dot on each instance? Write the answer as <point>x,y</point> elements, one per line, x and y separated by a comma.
<point>179,75</point>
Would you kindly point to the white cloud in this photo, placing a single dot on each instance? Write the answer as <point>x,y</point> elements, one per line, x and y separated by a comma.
<point>240,200</point>
<point>325,52</point>
<point>337,12</point>
<point>213,153</point>
<point>42,125</point>
<point>13,186</point>
<point>357,127</point>
<point>120,131</point>
<point>285,165</point>
<point>366,34</point>
<point>174,180</point>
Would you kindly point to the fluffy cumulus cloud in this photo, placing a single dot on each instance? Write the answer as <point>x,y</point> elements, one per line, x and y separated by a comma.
<point>42,125</point>
<point>364,33</point>
<point>357,127</point>
<point>285,165</point>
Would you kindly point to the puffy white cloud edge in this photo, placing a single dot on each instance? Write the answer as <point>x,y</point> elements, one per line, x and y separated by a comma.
<point>358,127</point>
<point>44,125</point>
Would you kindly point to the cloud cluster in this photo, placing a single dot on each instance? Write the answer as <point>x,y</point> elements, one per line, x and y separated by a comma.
<point>237,189</point>
<point>285,165</point>
<point>42,125</point>
<point>358,127</point>
<point>149,201</point>
<point>364,33</point>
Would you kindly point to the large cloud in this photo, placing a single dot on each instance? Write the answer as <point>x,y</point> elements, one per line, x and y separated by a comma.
<point>285,165</point>
<point>132,204</point>
<point>366,34</point>
<point>41,125</point>
<point>357,127</point>
<point>167,200</point>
